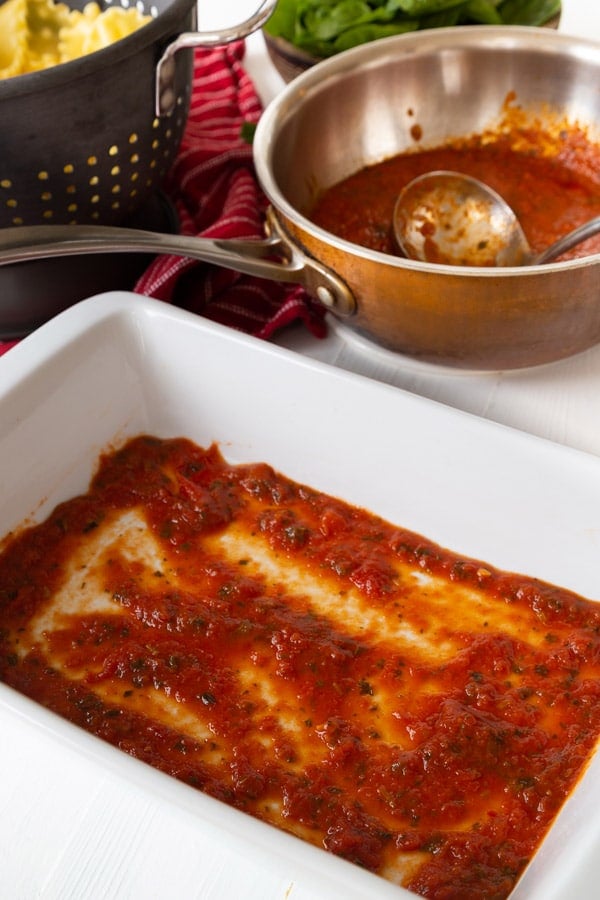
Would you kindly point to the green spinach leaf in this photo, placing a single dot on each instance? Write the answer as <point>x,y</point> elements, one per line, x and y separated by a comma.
<point>326,27</point>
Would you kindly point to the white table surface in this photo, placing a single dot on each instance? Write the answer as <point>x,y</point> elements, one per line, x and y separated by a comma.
<point>70,829</point>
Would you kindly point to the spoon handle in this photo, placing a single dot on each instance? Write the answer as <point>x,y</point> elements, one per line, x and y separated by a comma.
<point>585,231</point>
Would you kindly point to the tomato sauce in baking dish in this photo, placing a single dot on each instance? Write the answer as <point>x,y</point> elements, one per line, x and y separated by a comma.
<point>418,713</point>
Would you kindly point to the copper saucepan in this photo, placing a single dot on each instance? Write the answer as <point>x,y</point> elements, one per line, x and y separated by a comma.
<point>362,106</point>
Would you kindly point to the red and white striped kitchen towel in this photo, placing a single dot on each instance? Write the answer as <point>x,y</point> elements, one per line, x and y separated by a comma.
<point>215,192</point>
<point>216,195</point>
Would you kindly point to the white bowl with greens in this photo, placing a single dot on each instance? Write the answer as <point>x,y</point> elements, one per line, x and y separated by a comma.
<point>302,32</point>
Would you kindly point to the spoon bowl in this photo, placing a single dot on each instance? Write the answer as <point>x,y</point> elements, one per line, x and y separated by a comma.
<point>453,219</point>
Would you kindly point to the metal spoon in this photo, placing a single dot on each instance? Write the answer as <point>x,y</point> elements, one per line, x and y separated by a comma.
<point>445,217</point>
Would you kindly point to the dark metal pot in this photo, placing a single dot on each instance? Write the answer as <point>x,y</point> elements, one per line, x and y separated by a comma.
<point>92,139</point>
<point>81,142</point>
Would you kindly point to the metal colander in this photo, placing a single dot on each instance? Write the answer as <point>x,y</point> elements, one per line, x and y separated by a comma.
<point>81,142</point>
<point>90,142</point>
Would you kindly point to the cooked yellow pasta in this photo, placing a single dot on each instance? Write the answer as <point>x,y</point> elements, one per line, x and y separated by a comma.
<point>36,34</point>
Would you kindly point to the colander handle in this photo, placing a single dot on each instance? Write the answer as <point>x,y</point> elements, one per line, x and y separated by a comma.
<point>275,257</point>
<point>165,95</point>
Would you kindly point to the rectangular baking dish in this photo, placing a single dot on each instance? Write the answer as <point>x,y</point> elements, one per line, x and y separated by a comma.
<point>118,365</point>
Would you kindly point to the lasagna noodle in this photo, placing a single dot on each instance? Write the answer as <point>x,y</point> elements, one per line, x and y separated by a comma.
<point>417,713</point>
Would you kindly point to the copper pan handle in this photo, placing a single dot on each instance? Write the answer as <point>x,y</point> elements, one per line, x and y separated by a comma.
<point>274,257</point>
<point>165,97</point>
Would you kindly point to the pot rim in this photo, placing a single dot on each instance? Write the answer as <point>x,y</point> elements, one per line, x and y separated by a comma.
<point>375,53</point>
<point>161,25</point>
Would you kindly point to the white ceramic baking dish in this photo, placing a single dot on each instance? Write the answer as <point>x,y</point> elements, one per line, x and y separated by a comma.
<point>117,365</point>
